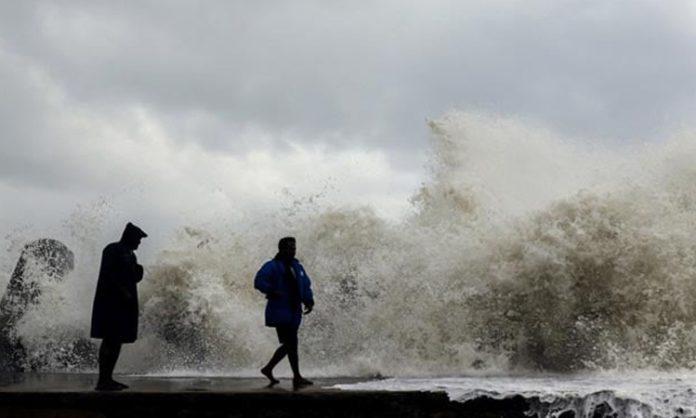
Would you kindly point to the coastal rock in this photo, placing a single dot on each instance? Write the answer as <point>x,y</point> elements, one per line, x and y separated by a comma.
<point>41,261</point>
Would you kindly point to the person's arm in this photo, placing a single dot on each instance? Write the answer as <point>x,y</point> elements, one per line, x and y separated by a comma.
<point>134,270</point>
<point>263,282</point>
<point>307,295</point>
<point>114,269</point>
<point>138,273</point>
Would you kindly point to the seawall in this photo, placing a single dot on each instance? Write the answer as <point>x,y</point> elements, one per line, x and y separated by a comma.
<point>72,396</point>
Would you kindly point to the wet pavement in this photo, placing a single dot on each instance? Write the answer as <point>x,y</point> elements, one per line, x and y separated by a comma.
<point>76,382</point>
<point>72,395</point>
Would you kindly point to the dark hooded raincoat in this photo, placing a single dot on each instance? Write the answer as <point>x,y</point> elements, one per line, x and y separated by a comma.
<point>115,309</point>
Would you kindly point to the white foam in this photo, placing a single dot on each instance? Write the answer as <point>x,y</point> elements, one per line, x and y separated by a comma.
<point>523,251</point>
<point>627,395</point>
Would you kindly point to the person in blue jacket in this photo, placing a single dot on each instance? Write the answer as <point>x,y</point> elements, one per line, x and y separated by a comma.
<point>287,287</point>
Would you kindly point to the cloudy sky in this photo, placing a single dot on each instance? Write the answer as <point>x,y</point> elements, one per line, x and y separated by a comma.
<point>164,111</point>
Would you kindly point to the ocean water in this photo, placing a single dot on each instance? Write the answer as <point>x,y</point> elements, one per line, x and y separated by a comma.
<point>523,253</point>
<point>618,395</point>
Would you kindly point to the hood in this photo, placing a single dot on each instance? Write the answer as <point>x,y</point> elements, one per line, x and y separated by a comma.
<point>132,233</point>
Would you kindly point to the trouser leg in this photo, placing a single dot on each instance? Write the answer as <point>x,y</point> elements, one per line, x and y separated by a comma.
<point>287,335</point>
<point>277,357</point>
<point>108,356</point>
<point>291,347</point>
<point>294,359</point>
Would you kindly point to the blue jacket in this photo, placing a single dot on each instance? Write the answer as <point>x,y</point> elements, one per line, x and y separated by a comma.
<point>270,279</point>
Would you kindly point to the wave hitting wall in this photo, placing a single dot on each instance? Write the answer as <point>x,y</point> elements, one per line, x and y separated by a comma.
<point>522,251</point>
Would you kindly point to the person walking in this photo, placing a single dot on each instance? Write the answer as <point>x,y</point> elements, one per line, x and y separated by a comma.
<point>287,287</point>
<point>115,308</point>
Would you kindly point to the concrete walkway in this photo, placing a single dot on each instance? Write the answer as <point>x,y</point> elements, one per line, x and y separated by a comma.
<point>72,395</point>
<point>69,382</point>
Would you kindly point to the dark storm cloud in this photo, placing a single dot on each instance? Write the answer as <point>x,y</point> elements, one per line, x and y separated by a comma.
<point>371,71</point>
<point>344,74</point>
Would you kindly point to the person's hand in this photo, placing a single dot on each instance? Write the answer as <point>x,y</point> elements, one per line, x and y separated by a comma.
<point>308,309</point>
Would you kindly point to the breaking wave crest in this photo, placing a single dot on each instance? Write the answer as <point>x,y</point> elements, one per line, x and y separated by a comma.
<point>647,394</point>
<point>522,251</point>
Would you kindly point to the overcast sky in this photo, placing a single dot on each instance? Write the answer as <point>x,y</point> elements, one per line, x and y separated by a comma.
<point>169,110</point>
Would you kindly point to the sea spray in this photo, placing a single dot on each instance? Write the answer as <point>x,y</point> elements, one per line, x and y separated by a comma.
<point>522,251</point>
<point>645,394</point>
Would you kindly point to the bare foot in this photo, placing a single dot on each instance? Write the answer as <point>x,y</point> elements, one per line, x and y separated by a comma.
<point>300,382</point>
<point>269,374</point>
<point>108,387</point>
<point>119,384</point>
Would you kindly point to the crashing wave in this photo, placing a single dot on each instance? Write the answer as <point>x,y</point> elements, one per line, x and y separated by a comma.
<point>523,251</point>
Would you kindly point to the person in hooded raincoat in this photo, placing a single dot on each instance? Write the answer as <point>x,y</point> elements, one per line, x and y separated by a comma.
<point>287,287</point>
<point>115,308</point>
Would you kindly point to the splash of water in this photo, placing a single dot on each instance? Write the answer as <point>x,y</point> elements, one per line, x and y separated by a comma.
<point>604,395</point>
<point>522,250</point>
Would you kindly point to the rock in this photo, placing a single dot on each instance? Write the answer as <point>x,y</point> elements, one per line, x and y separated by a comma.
<point>40,261</point>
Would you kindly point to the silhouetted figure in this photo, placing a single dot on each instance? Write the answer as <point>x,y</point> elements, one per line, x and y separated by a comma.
<point>287,287</point>
<point>115,310</point>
